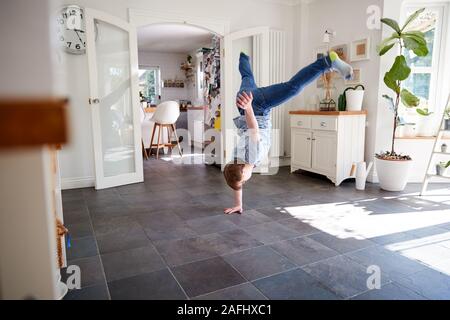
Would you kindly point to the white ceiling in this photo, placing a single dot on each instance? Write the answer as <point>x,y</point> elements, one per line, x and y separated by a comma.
<point>174,38</point>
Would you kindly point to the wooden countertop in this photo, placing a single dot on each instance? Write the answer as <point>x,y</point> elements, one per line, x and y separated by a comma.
<point>327,113</point>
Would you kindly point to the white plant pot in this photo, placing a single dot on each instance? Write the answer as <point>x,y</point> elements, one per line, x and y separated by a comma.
<point>426,127</point>
<point>354,99</point>
<point>409,131</point>
<point>393,174</point>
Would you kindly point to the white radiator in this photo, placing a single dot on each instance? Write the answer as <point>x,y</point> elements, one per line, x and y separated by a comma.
<point>277,67</point>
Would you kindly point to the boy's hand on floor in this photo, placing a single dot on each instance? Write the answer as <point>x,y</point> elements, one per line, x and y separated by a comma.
<point>237,209</point>
<point>244,101</point>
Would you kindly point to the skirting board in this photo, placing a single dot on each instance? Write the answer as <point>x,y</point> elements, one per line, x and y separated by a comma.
<point>76,183</point>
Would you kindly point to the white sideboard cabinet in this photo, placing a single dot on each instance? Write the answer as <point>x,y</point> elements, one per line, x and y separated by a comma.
<point>327,143</point>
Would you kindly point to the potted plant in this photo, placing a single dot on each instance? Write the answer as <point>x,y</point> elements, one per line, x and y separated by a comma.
<point>393,168</point>
<point>447,119</point>
<point>441,168</point>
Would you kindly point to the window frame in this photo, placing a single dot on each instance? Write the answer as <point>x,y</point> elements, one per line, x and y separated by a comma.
<point>436,70</point>
<point>158,88</point>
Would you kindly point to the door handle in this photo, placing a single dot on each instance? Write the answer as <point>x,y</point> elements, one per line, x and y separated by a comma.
<point>94,101</point>
<point>308,138</point>
<point>299,123</point>
<point>323,124</point>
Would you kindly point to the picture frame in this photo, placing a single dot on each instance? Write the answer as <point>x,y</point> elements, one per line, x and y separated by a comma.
<point>342,51</point>
<point>357,79</point>
<point>360,50</point>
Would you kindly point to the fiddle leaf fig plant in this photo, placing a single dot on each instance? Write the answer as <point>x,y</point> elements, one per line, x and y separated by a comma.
<point>402,39</point>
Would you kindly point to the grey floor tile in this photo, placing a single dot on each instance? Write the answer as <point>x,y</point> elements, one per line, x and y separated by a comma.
<point>76,216</point>
<point>214,199</point>
<point>428,283</point>
<point>392,238</point>
<point>111,212</point>
<point>158,285</point>
<point>341,245</point>
<point>303,251</point>
<point>206,276</point>
<point>390,291</point>
<point>97,292</point>
<point>342,275</point>
<point>259,262</point>
<point>108,225</point>
<point>70,205</point>
<point>271,232</point>
<point>211,224</point>
<point>427,232</point>
<point>176,232</point>
<point>302,228</point>
<point>124,264</point>
<point>294,285</point>
<point>106,201</point>
<point>245,291</point>
<point>193,211</point>
<point>275,212</point>
<point>80,229</point>
<point>231,241</point>
<point>134,237</point>
<point>72,194</point>
<point>91,271</point>
<point>159,219</point>
<point>176,252</point>
<point>389,262</point>
<point>249,218</point>
<point>81,248</point>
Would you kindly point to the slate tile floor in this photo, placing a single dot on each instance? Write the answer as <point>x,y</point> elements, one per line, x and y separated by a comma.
<point>298,238</point>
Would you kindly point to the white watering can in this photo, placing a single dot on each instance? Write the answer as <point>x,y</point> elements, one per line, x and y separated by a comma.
<point>361,174</point>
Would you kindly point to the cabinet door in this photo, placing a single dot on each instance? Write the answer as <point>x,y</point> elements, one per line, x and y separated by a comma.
<point>301,148</point>
<point>324,152</point>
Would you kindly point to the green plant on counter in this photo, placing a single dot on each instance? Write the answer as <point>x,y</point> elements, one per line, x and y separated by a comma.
<point>424,112</point>
<point>400,71</point>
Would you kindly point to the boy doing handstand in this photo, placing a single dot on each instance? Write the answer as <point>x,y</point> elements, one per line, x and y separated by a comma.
<point>254,105</point>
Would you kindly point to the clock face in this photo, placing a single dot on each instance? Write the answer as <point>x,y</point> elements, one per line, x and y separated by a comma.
<point>72,30</point>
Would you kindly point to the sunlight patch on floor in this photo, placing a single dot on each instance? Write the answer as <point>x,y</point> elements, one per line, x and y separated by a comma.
<point>430,250</point>
<point>344,220</point>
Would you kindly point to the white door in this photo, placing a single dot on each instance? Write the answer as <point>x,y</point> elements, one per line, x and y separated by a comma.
<point>324,154</point>
<point>113,78</point>
<point>301,148</point>
<point>233,43</point>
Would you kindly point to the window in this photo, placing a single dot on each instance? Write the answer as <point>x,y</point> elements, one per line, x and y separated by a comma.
<point>149,84</point>
<point>423,81</point>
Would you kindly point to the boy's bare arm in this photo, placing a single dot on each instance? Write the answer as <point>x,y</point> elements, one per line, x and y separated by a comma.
<point>244,101</point>
<point>237,203</point>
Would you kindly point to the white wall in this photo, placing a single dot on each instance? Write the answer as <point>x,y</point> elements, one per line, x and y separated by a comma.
<point>27,222</point>
<point>348,18</point>
<point>77,164</point>
<point>169,64</point>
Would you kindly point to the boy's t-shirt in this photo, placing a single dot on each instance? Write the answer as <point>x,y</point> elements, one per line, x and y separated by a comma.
<point>247,150</point>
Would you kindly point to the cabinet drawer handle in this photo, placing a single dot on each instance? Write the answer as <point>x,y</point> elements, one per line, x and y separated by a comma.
<point>308,138</point>
<point>323,124</point>
<point>299,123</point>
<point>313,139</point>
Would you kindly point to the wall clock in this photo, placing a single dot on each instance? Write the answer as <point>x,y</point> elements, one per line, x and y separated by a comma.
<point>71,29</point>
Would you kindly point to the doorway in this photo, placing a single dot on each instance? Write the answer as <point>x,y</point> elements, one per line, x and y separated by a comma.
<point>180,63</point>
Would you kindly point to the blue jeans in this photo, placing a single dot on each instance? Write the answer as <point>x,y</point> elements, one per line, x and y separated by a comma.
<point>266,98</point>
